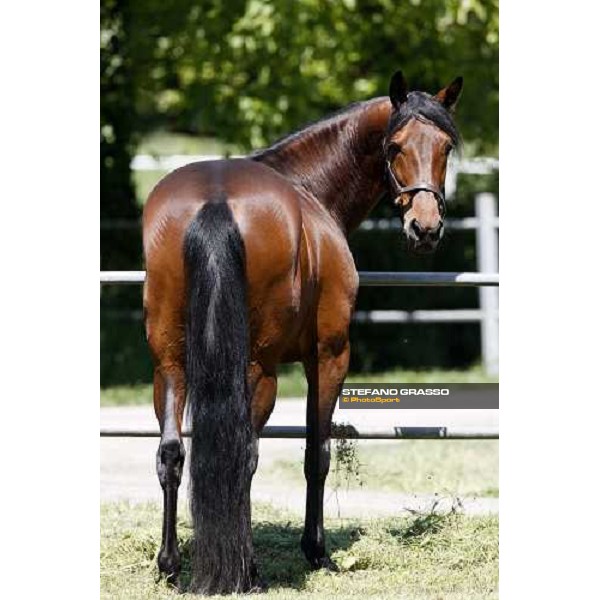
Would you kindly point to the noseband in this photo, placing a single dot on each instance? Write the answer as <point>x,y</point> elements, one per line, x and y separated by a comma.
<point>420,186</point>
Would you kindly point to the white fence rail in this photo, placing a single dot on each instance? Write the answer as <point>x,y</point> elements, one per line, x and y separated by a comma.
<point>345,432</point>
<point>367,278</point>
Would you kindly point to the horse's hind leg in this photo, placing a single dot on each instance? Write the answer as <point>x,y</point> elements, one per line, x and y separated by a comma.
<point>263,385</point>
<point>169,398</point>
<point>325,373</point>
<point>165,334</point>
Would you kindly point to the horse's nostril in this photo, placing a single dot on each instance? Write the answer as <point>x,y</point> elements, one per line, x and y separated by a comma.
<point>417,229</point>
<point>436,233</point>
<point>426,234</point>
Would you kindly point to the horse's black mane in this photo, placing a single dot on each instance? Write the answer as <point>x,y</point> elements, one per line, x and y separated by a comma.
<point>420,105</point>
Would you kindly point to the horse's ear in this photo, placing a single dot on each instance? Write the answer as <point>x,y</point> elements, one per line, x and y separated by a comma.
<point>449,96</point>
<point>398,89</point>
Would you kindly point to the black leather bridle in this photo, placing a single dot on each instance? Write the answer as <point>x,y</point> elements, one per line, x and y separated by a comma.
<point>420,186</point>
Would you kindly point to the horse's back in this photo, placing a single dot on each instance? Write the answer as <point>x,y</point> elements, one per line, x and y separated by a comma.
<point>253,191</point>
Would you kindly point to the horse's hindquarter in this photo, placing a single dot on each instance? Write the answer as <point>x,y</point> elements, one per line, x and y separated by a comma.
<point>301,276</point>
<point>266,209</point>
<point>279,281</point>
<point>336,273</point>
<point>297,259</point>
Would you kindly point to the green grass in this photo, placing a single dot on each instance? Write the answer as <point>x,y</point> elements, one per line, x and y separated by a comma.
<point>421,557</point>
<point>126,395</point>
<point>456,468</point>
<point>291,383</point>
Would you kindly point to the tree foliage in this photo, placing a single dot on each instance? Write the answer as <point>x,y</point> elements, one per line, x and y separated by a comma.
<point>118,131</point>
<point>248,71</point>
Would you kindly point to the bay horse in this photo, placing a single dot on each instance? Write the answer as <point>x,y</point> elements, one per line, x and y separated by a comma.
<point>248,267</point>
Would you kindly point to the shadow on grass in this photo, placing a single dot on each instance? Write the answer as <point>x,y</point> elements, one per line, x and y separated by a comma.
<point>281,563</point>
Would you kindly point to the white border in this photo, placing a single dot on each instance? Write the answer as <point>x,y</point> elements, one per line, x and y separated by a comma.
<point>50,337</point>
<point>549,331</point>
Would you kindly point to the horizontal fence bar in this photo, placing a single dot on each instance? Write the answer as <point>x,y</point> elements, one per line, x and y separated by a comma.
<point>367,278</point>
<point>341,432</point>
<point>375,278</point>
<point>467,223</point>
<point>418,316</point>
<point>122,277</point>
<point>459,315</point>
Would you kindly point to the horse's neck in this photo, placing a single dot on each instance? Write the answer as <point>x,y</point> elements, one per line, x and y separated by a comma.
<point>339,161</point>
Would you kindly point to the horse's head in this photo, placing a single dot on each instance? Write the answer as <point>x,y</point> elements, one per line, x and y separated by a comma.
<point>421,133</point>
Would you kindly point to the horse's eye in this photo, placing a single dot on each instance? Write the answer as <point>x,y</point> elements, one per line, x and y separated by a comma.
<point>448,149</point>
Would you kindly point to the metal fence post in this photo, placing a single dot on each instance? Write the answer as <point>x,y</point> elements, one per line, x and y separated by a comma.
<point>487,261</point>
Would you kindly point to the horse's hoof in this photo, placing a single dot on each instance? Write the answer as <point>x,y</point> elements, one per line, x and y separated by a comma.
<point>172,580</point>
<point>323,562</point>
<point>169,567</point>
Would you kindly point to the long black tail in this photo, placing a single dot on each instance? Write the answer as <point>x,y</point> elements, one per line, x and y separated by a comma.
<point>222,453</point>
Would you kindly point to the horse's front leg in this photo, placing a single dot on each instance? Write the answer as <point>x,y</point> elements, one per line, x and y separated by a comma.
<point>169,399</point>
<point>325,373</point>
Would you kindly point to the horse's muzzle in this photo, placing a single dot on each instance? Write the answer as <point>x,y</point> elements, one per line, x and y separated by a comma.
<point>423,240</point>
